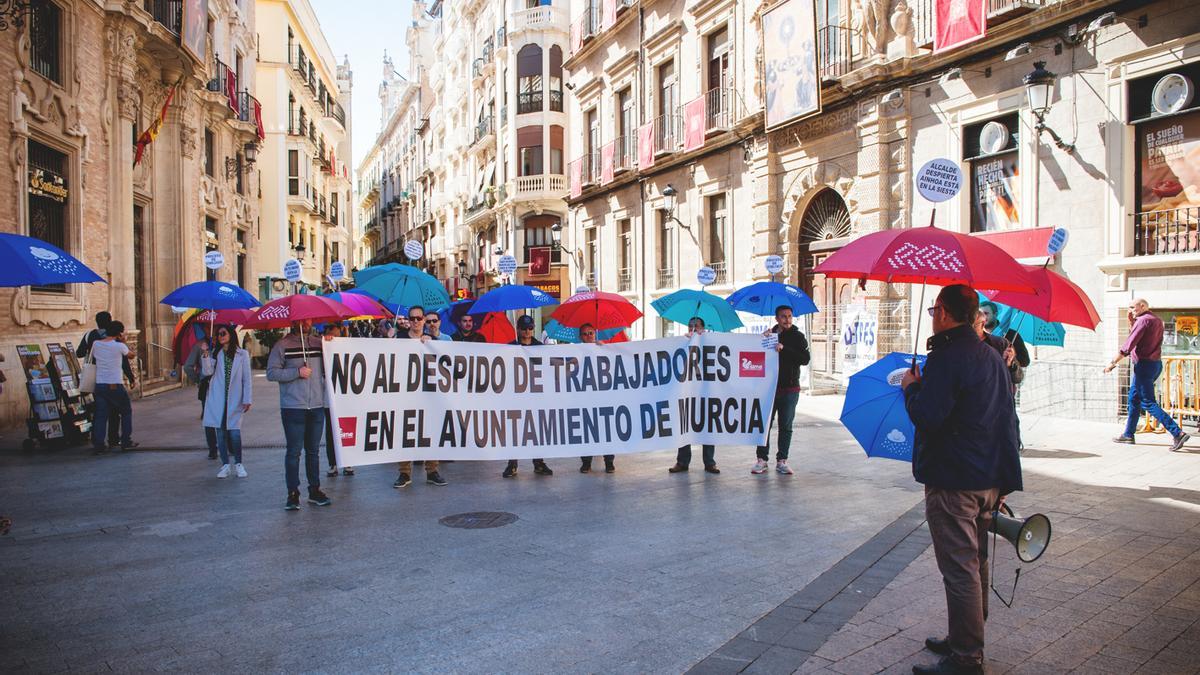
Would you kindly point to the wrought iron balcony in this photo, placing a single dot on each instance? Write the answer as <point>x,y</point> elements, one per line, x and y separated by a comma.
<point>666,277</point>
<point>624,280</point>
<point>625,154</point>
<point>667,133</point>
<point>721,109</point>
<point>1166,232</point>
<point>722,270</point>
<point>166,13</point>
<point>837,51</point>
<point>530,101</point>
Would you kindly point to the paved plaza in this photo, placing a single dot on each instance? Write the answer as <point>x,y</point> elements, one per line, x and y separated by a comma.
<point>144,561</point>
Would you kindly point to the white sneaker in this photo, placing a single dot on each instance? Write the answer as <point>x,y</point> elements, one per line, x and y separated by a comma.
<point>240,470</point>
<point>782,467</point>
<point>224,472</point>
<point>759,467</point>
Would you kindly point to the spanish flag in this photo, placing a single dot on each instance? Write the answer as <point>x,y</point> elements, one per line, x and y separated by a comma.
<point>151,132</point>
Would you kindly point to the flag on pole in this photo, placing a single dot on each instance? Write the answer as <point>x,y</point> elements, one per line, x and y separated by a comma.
<point>147,137</point>
<point>262,132</point>
<point>231,90</point>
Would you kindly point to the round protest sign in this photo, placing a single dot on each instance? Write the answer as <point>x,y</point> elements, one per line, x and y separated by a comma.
<point>291,270</point>
<point>214,260</point>
<point>706,276</point>
<point>940,179</point>
<point>507,264</point>
<point>774,264</point>
<point>1058,241</point>
<point>337,271</point>
<point>413,250</point>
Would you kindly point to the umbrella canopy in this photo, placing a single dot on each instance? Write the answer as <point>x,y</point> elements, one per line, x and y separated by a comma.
<point>397,286</point>
<point>236,317</point>
<point>504,298</point>
<point>557,331</point>
<point>451,314</point>
<point>1033,331</point>
<point>763,297</point>
<point>496,329</point>
<point>281,312</point>
<point>873,411</point>
<point>684,304</point>
<point>26,261</point>
<point>363,305</point>
<point>1056,299</point>
<point>602,310</point>
<point>210,295</point>
<point>928,255</point>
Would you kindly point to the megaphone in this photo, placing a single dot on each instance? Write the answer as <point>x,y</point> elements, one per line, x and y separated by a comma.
<point>1030,536</point>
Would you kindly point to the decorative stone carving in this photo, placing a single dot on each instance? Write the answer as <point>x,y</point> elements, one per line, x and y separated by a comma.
<point>875,25</point>
<point>902,20</point>
<point>808,180</point>
<point>20,102</point>
<point>128,100</point>
<point>187,139</point>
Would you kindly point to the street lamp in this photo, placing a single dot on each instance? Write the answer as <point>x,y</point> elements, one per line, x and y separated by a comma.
<point>249,155</point>
<point>670,194</point>
<point>556,236</point>
<point>1039,91</point>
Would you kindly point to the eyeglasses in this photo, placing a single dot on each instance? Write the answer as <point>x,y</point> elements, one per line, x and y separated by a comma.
<point>931,310</point>
<point>416,318</point>
<point>434,319</point>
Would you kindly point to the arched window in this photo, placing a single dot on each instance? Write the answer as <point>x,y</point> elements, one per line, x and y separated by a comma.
<point>529,79</point>
<point>556,79</point>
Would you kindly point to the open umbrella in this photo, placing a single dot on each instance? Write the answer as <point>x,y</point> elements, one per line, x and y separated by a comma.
<point>397,286</point>
<point>602,310</point>
<point>1034,331</point>
<point>515,296</point>
<point>210,295</point>
<point>236,317</point>
<point>363,305</point>
<point>26,261</point>
<point>496,329</point>
<point>1057,299</point>
<point>282,312</point>
<point>686,303</point>
<point>764,297</point>
<point>874,412</point>
<point>561,333</point>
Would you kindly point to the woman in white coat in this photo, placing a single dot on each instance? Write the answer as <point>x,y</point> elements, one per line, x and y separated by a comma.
<point>228,398</point>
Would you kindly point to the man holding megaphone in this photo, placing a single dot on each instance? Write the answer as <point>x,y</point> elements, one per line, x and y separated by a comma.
<point>965,453</point>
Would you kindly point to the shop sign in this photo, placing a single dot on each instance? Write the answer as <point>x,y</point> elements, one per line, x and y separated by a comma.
<point>551,288</point>
<point>1187,325</point>
<point>44,183</point>
<point>1169,156</point>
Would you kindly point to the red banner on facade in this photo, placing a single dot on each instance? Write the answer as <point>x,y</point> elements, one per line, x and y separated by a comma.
<point>607,154</point>
<point>646,146</point>
<point>693,124</point>
<point>610,14</point>
<point>262,132</point>
<point>539,261</point>
<point>576,170</point>
<point>576,37</point>
<point>959,22</point>
<point>231,90</point>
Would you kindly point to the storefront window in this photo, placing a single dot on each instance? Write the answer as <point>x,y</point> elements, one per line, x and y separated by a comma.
<point>993,160</point>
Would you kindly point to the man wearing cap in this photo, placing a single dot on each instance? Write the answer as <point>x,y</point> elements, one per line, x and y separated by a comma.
<point>525,339</point>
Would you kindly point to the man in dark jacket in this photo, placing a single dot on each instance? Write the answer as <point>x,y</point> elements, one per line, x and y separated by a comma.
<point>793,353</point>
<point>525,339</point>
<point>466,330</point>
<point>965,453</point>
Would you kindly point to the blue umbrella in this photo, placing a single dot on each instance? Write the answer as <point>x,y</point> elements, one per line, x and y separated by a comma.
<point>504,298</point>
<point>682,305</point>
<point>25,261</point>
<point>764,297</point>
<point>211,295</point>
<point>452,313</point>
<point>873,411</point>
<point>397,285</point>
<point>1033,331</point>
<point>557,331</point>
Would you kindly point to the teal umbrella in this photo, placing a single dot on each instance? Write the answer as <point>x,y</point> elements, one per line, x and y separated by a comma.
<point>682,305</point>
<point>1033,331</point>
<point>397,285</point>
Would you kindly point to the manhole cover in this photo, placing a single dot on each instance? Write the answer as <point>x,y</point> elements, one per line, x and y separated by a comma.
<point>479,520</point>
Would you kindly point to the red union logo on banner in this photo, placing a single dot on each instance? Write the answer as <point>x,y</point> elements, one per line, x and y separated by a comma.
<point>348,431</point>
<point>646,145</point>
<point>752,364</point>
<point>958,23</point>
<point>693,119</point>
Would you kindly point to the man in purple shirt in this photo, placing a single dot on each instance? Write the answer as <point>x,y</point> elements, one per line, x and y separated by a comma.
<point>1144,348</point>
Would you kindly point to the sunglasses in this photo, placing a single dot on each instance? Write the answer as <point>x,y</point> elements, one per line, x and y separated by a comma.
<point>416,318</point>
<point>932,309</point>
<point>434,319</point>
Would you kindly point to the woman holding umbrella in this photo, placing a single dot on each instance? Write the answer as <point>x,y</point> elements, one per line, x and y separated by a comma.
<point>229,397</point>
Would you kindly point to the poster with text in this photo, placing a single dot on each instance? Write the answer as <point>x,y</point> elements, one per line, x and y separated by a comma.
<point>1169,155</point>
<point>996,193</point>
<point>793,85</point>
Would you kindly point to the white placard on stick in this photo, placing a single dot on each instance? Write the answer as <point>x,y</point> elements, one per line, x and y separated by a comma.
<point>214,260</point>
<point>413,250</point>
<point>1058,241</point>
<point>291,270</point>
<point>706,276</point>
<point>507,264</point>
<point>939,179</point>
<point>774,264</point>
<point>337,271</point>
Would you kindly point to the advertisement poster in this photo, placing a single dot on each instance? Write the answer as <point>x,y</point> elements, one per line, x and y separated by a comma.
<point>959,22</point>
<point>1169,154</point>
<point>195,28</point>
<point>790,61</point>
<point>860,340</point>
<point>996,193</point>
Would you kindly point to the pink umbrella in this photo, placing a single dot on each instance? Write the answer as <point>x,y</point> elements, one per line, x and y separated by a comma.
<point>283,312</point>
<point>363,306</point>
<point>236,317</point>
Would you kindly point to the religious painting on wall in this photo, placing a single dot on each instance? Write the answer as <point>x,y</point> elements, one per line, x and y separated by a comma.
<point>793,85</point>
<point>195,28</point>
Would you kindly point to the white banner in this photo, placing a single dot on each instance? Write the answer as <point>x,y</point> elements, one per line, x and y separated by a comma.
<point>860,340</point>
<point>396,400</point>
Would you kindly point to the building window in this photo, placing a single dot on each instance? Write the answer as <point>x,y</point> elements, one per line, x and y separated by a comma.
<point>529,79</point>
<point>667,132</point>
<point>591,257</point>
<point>717,234</point>
<point>666,250</point>
<point>991,154</point>
<point>556,149</point>
<point>45,32</point>
<point>210,234</point>
<point>209,152</point>
<point>718,103</point>
<point>241,270</point>
<point>624,255</point>
<point>49,192</point>
<point>294,172</point>
<point>556,79</point>
<point>241,167</point>
<point>537,234</point>
<point>529,145</point>
<point>626,129</point>
<point>591,145</point>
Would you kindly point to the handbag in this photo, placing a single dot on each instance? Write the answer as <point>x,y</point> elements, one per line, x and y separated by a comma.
<point>87,375</point>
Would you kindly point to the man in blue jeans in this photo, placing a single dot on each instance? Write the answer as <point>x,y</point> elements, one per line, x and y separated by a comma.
<point>110,353</point>
<point>793,353</point>
<point>1144,347</point>
<point>295,364</point>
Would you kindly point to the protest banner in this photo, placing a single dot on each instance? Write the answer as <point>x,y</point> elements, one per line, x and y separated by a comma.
<point>398,400</point>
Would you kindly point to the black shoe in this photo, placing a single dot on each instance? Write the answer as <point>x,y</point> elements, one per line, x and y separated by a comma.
<point>315,496</point>
<point>541,469</point>
<point>125,447</point>
<point>948,666</point>
<point>712,469</point>
<point>434,478</point>
<point>1179,441</point>
<point>585,467</point>
<point>678,468</point>
<point>510,471</point>
<point>293,501</point>
<point>212,454</point>
<point>1124,439</point>
<point>348,471</point>
<point>609,468</point>
<point>939,646</point>
<point>99,450</point>
<point>402,481</point>
<point>333,471</point>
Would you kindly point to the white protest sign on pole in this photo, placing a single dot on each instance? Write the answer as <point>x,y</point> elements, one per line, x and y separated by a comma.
<point>507,265</point>
<point>939,179</point>
<point>399,400</point>
<point>291,270</point>
<point>413,249</point>
<point>337,271</point>
<point>214,260</point>
<point>706,276</point>
<point>860,340</point>
<point>1058,241</point>
<point>774,264</point>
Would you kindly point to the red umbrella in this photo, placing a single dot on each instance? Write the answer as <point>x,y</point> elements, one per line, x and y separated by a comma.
<point>497,329</point>
<point>602,310</point>
<point>928,255</point>
<point>1057,299</point>
<point>236,317</point>
<point>282,312</point>
<point>621,336</point>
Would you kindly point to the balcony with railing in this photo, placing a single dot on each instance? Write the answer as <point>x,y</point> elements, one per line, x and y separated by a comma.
<point>540,186</point>
<point>625,153</point>
<point>667,133</point>
<point>722,272</point>
<point>590,173</point>
<point>166,13</point>
<point>485,130</point>
<point>249,109</point>
<point>556,100</point>
<point>530,101</point>
<point>721,109</point>
<point>1167,232</point>
<point>666,277</point>
<point>837,51</point>
<point>539,18</point>
<point>337,112</point>
<point>624,280</point>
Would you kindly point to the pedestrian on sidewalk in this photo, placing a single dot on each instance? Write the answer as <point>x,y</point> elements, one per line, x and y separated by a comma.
<point>229,398</point>
<point>965,453</point>
<point>85,346</point>
<point>332,330</point>
<point>683,457</point>
<point>525,339</point>
<point>295,363</point>
<point>1144,348</point>
<point>110,395</point>
<point>793,354</point>
<point>415,320</point>
<point>199,367</point>
<point>97,333</point>
<point>587,336</point>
